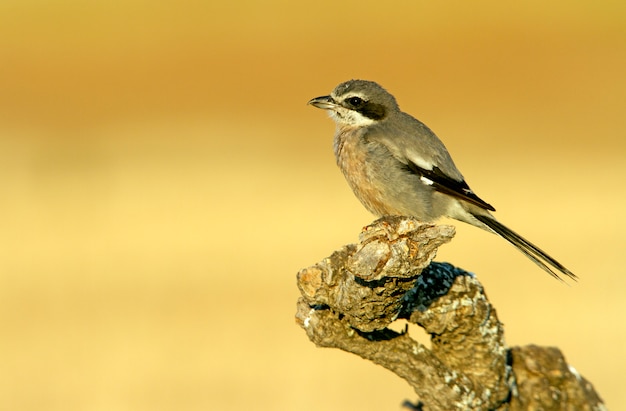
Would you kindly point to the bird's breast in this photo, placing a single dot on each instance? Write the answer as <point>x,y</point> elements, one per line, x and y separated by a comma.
<point>352,156</point>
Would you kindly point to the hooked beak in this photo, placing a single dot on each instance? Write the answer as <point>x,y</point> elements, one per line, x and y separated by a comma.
<point>323,102</point>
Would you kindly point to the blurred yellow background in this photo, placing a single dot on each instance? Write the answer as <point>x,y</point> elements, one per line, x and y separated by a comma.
<point>163,180</point>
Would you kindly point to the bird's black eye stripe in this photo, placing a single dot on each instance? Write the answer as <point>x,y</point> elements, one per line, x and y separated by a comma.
<point>367,108</point>
<point>373,111</point>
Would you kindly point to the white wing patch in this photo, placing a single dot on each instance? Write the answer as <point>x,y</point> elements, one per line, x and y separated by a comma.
<point>426,181</point>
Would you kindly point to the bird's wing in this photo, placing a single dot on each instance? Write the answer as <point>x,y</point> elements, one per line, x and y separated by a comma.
<point>423,154</point>
<point>447,185</point>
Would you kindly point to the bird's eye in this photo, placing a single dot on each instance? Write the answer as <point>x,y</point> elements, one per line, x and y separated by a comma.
<point>355,101</point>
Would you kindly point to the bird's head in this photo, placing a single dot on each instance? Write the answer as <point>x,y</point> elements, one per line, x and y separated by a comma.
<point>357,103</point>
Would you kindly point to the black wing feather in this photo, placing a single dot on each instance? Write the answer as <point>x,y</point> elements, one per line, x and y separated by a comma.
<point>445,184</point>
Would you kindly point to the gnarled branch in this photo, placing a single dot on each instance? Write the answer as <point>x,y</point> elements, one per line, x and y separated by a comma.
<point>350,298</point>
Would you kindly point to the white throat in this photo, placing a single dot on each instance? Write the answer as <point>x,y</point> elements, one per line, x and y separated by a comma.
<point>344,117</point>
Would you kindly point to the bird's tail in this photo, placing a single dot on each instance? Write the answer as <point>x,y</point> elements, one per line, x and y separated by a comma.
<point>537,255</point>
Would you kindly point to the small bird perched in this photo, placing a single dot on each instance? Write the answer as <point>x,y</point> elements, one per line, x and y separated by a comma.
<point>397,166</point>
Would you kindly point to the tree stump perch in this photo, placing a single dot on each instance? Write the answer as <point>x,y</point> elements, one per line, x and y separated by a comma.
<point>350,298</point>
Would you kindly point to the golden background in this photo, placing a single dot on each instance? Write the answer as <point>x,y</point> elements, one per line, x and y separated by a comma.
<point>163,180</point>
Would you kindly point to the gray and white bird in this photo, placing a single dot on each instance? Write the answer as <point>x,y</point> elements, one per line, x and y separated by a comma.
<point>397,166</point>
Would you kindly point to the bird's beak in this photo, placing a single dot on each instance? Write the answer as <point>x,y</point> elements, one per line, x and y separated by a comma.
<point>323,102</point>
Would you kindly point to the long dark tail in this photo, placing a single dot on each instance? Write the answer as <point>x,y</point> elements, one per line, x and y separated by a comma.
<point>537,255</point>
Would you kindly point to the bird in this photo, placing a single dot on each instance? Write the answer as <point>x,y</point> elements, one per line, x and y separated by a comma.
<point>396,165</point>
